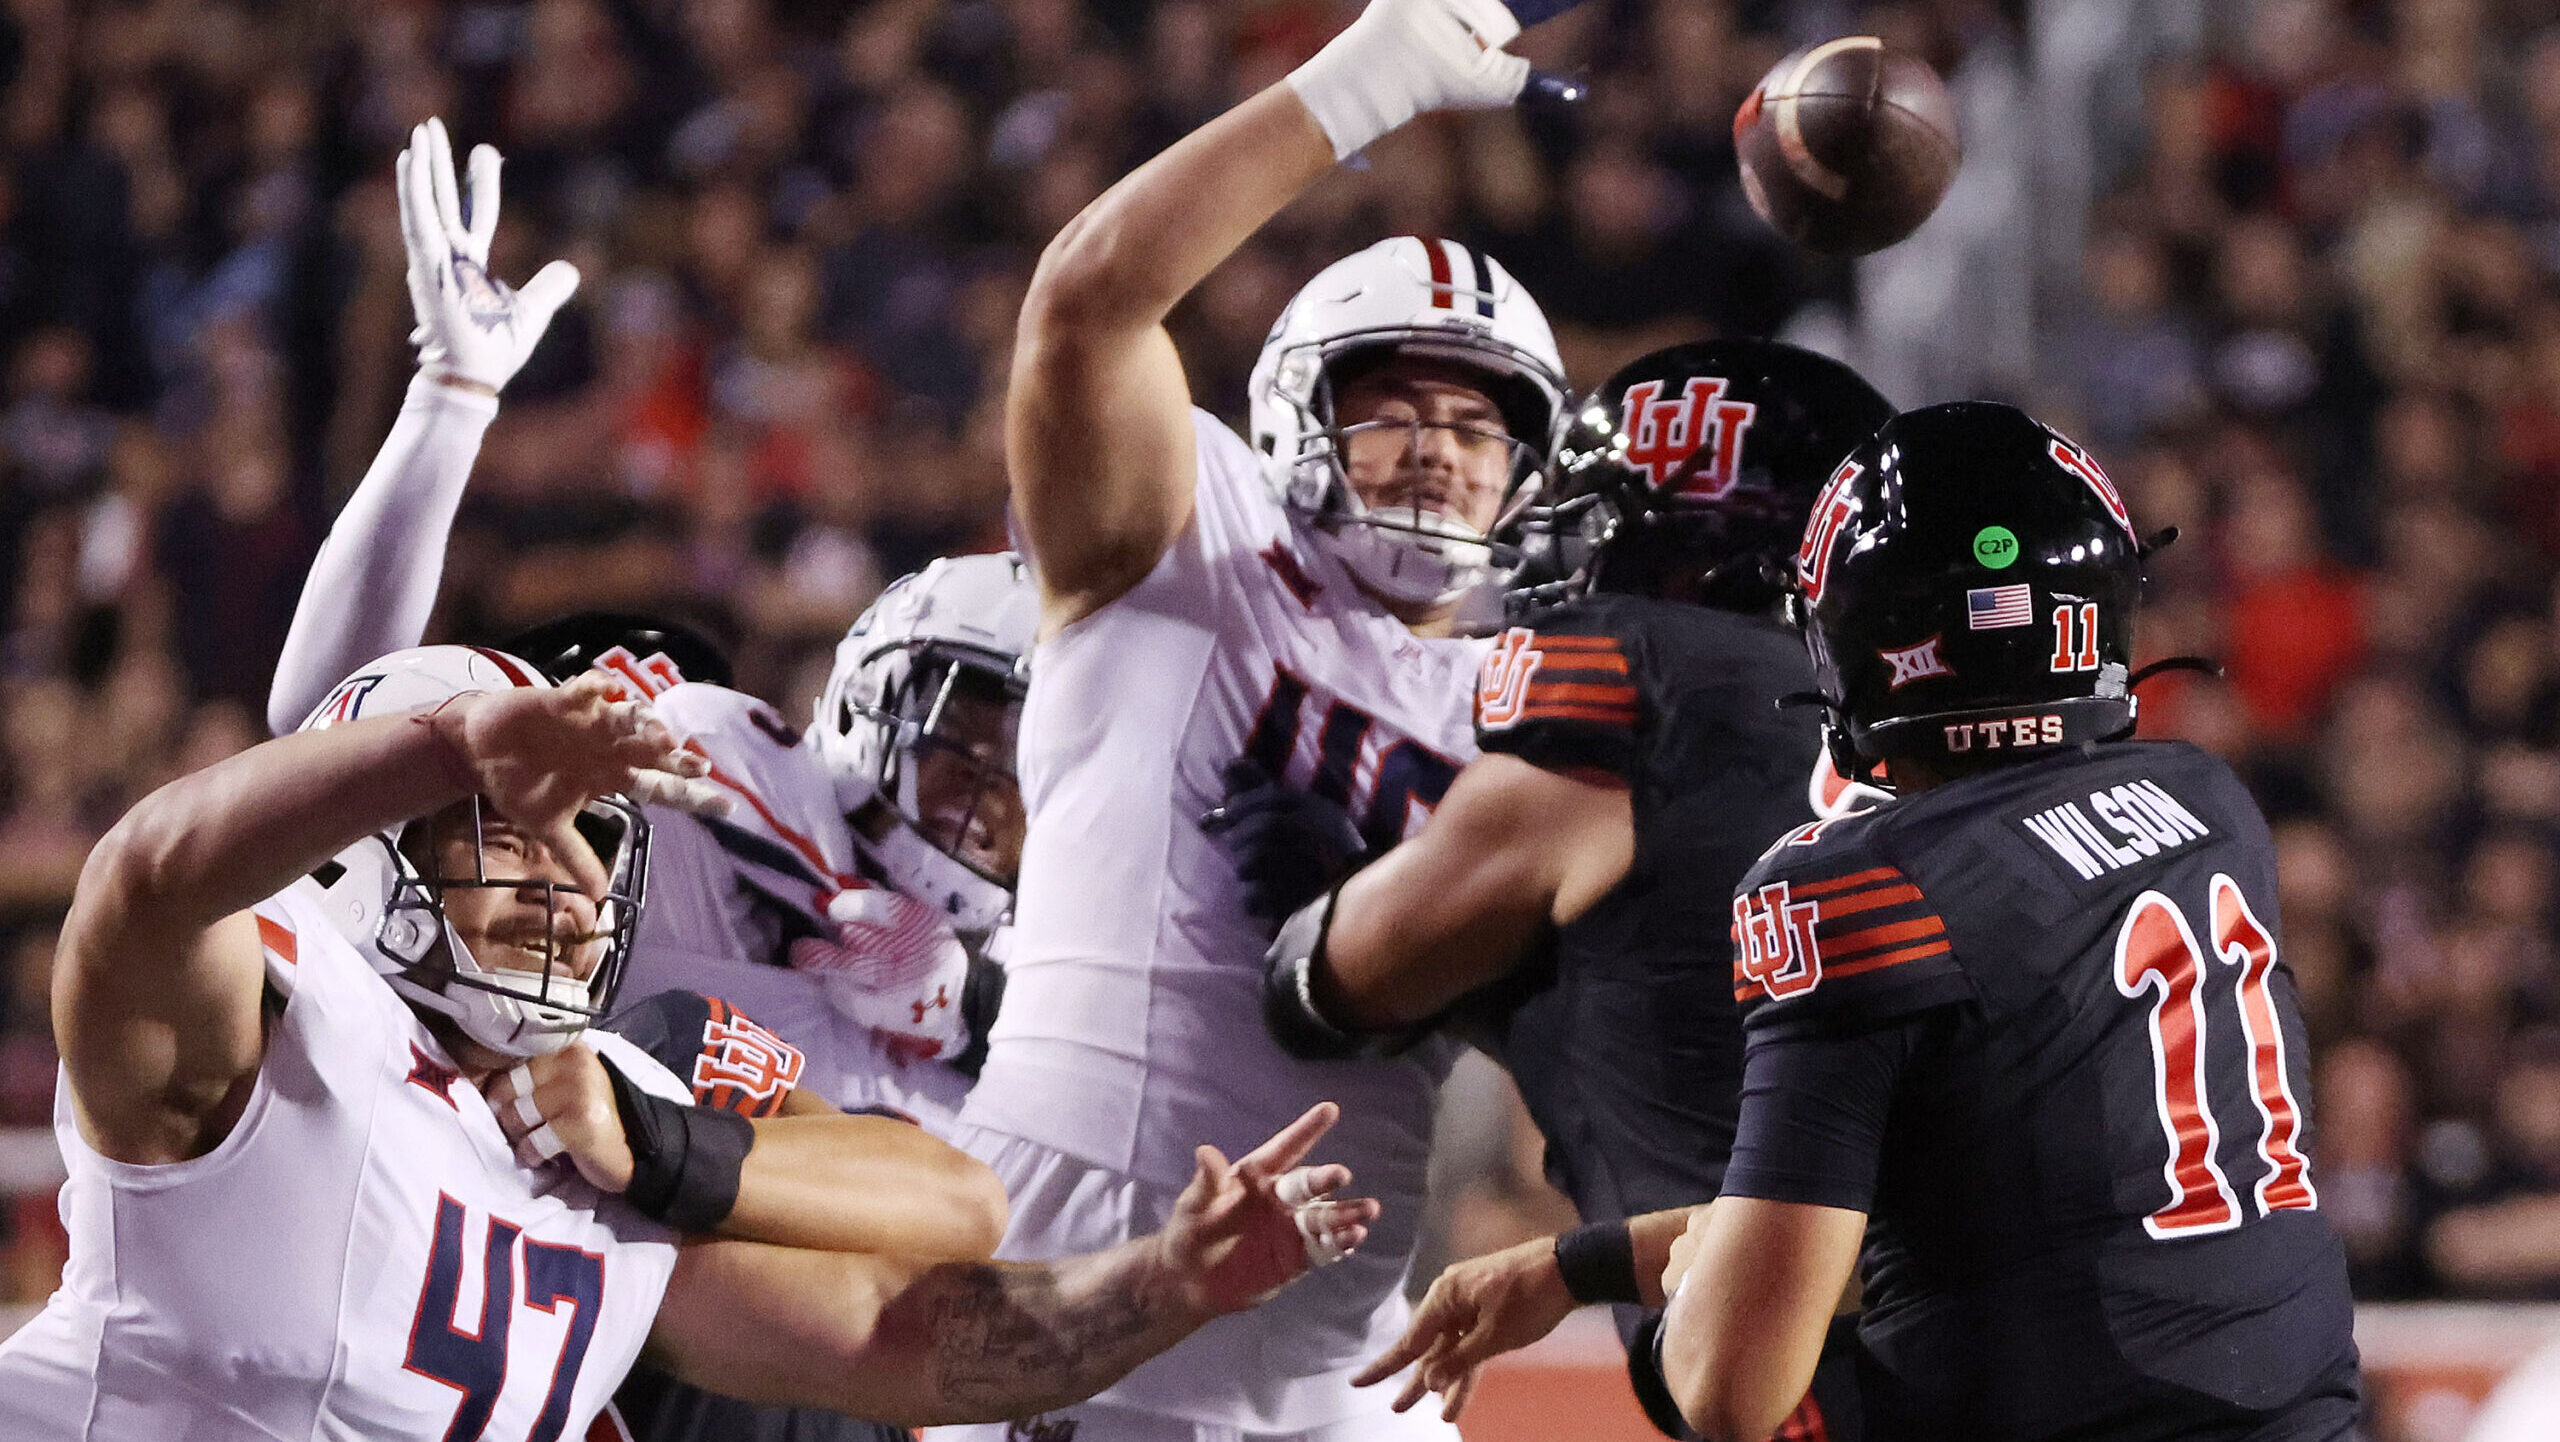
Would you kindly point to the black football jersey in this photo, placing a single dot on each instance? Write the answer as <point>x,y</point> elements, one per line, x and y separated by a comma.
<point>1627,1047</point>
<point>735,1065</point>
<point>2093,1209</point>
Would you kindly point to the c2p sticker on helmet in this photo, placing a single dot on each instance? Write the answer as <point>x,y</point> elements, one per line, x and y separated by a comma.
<point>1996,547</point>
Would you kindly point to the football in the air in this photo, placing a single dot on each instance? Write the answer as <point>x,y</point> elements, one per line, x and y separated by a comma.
<point>1846,146</point>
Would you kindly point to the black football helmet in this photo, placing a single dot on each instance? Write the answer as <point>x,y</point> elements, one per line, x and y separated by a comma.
<point>647,653</point>
<point>1967,585</point>
<point>1689,473</point>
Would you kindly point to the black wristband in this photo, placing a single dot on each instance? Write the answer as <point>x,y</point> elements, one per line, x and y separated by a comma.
<point>1599,1263</point>
<point>685,1160</point>
<point>1289,1006</point>
<point>1288,995</point>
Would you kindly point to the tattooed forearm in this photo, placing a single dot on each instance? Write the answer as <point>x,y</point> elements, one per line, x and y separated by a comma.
<point>1009,1340</point>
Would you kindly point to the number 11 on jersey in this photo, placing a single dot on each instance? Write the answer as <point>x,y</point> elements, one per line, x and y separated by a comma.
<point>2156,951</point>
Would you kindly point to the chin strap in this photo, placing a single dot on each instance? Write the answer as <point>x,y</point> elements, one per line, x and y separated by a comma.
<point>2202,664</point>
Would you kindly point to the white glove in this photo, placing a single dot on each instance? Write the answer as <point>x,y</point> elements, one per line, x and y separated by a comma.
<point>1404,57</point>
<point>471,326</point>
<point>893,964</point>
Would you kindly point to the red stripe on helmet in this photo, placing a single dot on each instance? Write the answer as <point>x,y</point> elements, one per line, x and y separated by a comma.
<point>1442,292</point>
<point>509,666</point>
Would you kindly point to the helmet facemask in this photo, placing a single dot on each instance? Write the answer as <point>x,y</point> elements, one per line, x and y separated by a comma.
<point>1412,553</point>
<point>577,950</point>
<point>944,817</point>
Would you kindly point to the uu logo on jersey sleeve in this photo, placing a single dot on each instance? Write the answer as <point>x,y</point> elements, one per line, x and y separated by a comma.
<point>637,678</point>
<point>1502,683</point>
<point>1694,437</point>
<point>1773,946</point>
<point>755,1065</point>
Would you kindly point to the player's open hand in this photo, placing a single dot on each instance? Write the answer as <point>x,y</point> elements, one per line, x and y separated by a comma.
<point>471,325</point>
<point>1242,1231</point>
<point>561,1105</point>
<point>1476,1310</point>
<point>539,754</point>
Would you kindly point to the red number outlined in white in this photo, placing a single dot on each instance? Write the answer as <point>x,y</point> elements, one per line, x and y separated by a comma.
<point>2156,951</point>
<point>2241,941</point>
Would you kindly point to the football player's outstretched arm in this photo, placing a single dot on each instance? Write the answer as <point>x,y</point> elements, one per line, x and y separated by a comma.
<point>373,585</point>
<point>158,980</point>
<point>812,1176</point>
<point>1482,1307</point>
<point>920,1343</point>
<point>1098,426</point>
<point>1512,849</point>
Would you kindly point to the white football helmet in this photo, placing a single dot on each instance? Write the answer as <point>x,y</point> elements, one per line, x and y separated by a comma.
<point>1407,296</point>
<point>953,638</point>
<point>394,913</point>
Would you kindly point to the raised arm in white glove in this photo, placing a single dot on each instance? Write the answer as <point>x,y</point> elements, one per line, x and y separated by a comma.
<point>374,583</point>
<point>1402,58</point>
<point>471,326</point>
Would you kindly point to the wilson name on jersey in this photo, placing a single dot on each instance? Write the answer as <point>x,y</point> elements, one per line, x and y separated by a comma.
<point>2096,1190</point>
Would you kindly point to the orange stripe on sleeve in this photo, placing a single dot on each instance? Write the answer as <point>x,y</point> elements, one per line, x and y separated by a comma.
<point>1615,715</point>
<point>1573,691</point>
<point>277,937</point>
<point>1856,902</point>
<point>1854,942</point>
<point>1546,642</point>
<point>1852,882</point>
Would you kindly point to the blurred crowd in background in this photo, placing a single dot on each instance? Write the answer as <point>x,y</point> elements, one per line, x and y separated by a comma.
<point>2291,268</point>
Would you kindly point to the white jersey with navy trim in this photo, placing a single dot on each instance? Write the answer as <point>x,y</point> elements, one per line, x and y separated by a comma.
<point>362,1259</point>
<point>1132,1028</point>
<point>728,896</point>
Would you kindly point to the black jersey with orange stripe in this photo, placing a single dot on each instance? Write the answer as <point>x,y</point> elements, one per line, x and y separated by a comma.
<point>2093,1209</point>
<point>735,1065</point>
<point>731,1063</point>
<point>1627,1062</point>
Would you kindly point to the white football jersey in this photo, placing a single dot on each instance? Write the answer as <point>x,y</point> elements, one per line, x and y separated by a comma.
<point>728,896</point>
<point>1132,1024</point>
<point>361,1260</point>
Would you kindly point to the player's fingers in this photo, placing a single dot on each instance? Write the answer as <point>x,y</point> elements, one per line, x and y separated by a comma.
<point>1453,1400</point>
<point>527,1110</point>
<point>1300,1185</point>
<point>1416,1382</point>
<point>651,787</point>
<point>1211,1170</point>
<point>413,219</point>
<point>549,290</point>
<point>572,851</point>
<point>484,200</point>
<point>1417,1335</point>
<point>1329,1231</point>
<point>1290,1143</point>
<point>441,179</point>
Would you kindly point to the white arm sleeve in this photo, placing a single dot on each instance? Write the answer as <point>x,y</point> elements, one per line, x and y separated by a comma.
<point>374,583</point>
